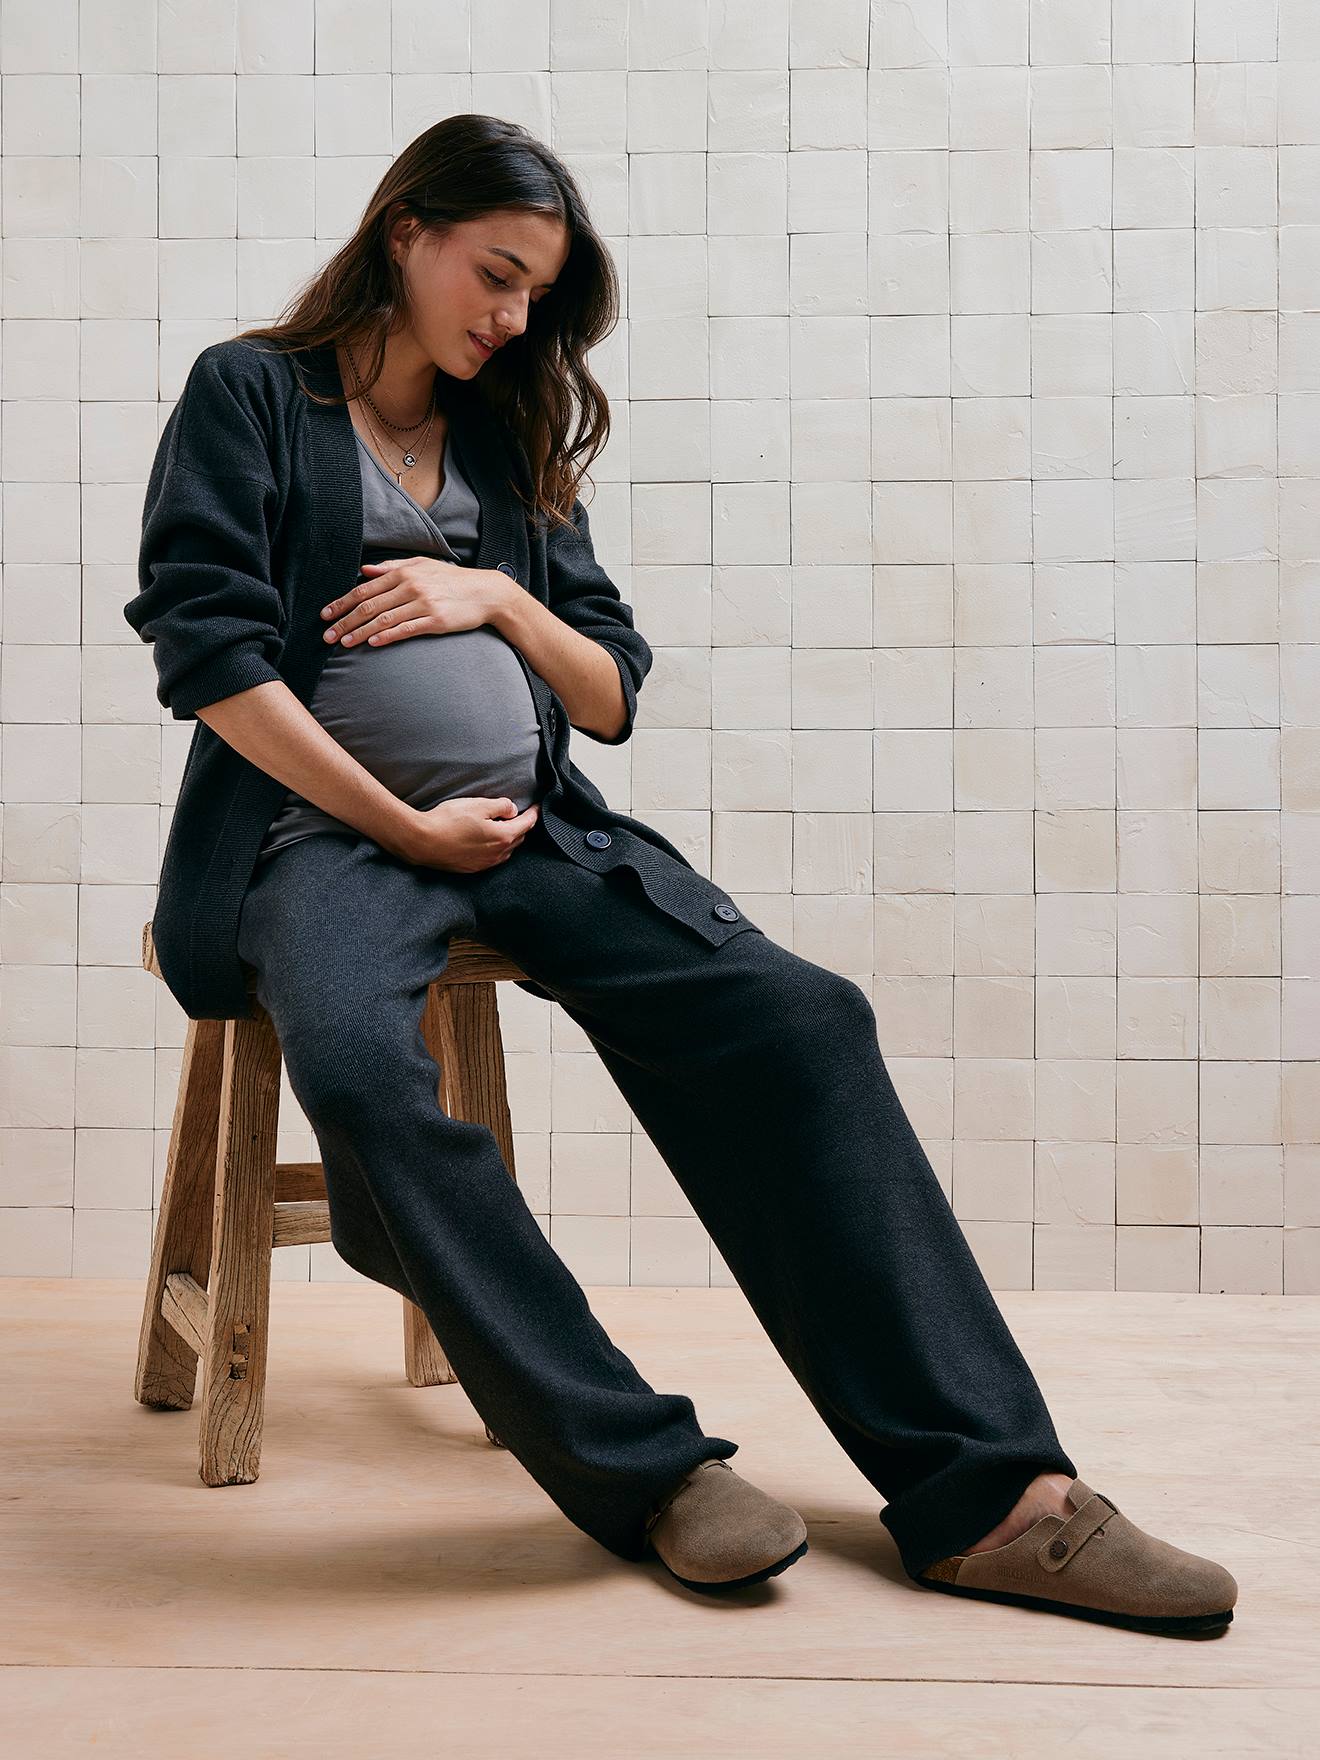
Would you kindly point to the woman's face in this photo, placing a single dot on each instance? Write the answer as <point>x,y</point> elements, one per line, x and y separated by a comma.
<point>468,282</point>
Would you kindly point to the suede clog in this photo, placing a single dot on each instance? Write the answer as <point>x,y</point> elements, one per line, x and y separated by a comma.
<point>1094,1564</point>
<point>716,1531</point>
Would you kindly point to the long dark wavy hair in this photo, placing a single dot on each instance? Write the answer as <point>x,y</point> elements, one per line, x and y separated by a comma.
<point>539,383</point>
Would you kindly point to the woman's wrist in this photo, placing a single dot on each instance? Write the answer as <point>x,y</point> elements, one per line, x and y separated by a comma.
<point>400,836</point>
<point>503,594</point>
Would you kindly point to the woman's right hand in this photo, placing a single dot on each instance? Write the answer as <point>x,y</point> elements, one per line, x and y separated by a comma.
<point>469,833</point>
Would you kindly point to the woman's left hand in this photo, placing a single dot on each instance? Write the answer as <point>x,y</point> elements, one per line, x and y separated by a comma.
<point>414,596</point>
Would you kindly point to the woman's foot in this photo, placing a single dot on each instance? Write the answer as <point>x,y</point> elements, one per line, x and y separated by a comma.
<point>717,1531</point>
<point>1088,1560</point>
<point>1047,1495</point>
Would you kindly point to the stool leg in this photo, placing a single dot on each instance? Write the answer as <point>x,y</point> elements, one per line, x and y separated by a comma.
<point>472,1062</point>
<point>166,1374</point>
<point>424,1360</point>
<point>238,1307</point>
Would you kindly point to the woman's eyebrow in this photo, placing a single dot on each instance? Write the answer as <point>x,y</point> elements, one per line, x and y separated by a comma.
<point>496,250</point>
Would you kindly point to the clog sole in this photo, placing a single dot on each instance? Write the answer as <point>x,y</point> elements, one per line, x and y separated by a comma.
<point>718,1588</point>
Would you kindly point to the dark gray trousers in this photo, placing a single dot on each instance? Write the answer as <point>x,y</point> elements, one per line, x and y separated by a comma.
<point>758,1077</point>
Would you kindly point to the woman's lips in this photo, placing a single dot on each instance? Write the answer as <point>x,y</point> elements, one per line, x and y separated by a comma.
<point>479,344</point>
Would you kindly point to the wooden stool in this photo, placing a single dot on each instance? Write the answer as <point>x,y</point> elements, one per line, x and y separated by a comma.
<point>227,1202</point>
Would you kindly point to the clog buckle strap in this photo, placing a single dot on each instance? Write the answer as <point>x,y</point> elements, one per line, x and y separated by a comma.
<point>1066,1542</point>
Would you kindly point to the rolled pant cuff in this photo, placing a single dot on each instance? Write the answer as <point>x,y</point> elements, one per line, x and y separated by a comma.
<point>935,1521</point>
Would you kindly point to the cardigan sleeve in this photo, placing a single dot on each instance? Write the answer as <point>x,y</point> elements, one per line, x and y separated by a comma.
<point>585,597</point>
<point>207,604</point>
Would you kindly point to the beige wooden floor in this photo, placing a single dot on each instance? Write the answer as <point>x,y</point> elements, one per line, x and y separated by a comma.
<point>394,1586</point>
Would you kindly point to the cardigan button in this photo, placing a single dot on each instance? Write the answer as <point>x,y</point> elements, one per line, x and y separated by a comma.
<point>726,912</point>
<point>507,568</point>
<point>599,839</point>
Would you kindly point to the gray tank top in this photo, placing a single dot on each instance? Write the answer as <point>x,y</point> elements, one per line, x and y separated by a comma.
<point>433,717</point>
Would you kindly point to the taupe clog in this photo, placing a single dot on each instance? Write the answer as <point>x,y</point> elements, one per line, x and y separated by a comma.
<point>716,1531</point>
<point>1094,1564</point>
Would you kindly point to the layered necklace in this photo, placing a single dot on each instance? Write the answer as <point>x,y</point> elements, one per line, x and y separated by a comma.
<point>410,456</point>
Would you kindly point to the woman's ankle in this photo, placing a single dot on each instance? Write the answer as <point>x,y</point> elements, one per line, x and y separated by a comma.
<point>1047,1494</point>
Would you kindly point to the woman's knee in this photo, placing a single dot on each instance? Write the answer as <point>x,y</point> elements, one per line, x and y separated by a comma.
<point>823,999</point>
<point>805,1012</point>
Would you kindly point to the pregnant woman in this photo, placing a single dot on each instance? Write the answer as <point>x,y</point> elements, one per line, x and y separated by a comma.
<point>366,573</point>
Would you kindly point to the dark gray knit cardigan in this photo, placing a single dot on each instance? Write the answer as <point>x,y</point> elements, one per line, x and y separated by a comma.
<point>252,522</point>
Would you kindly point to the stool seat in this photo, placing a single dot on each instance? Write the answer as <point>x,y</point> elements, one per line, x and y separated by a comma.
<point>226,1203</point>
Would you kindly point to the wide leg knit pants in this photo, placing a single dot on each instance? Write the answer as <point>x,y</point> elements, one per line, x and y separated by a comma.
<point>758,1077</point>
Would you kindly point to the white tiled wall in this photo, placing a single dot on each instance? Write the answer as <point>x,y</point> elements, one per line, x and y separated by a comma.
<point>965,479</point>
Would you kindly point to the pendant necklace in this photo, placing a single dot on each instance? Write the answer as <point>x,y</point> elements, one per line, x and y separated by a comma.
<point>409,457</point>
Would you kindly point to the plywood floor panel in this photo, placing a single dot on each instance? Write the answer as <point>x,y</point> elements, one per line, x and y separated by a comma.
<point>391,1575</point>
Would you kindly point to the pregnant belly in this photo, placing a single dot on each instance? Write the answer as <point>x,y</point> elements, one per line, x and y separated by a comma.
<point>434,717</point>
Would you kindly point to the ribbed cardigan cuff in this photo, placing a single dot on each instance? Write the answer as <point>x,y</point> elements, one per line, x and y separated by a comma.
<point>235,669</point>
